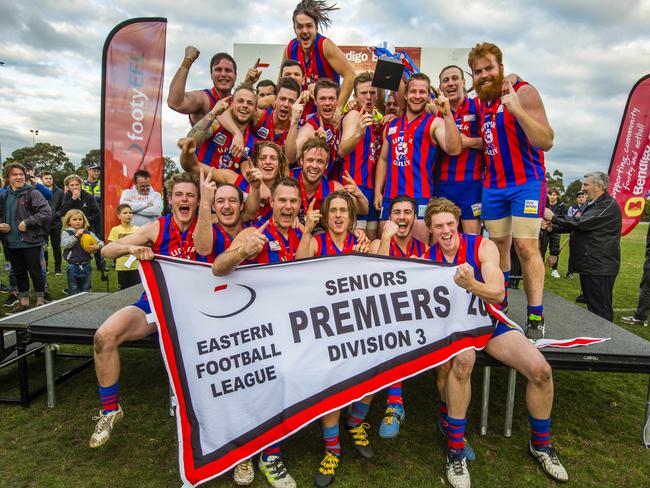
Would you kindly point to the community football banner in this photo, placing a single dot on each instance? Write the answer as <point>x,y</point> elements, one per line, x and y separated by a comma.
<point>628,170</point>
<point>257,355</point>
<point>132,85</point>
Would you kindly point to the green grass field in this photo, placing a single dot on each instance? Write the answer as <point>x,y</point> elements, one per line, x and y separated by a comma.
<point>596,425</point>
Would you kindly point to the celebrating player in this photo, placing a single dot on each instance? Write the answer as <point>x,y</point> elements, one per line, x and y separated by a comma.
<point>515,134</point>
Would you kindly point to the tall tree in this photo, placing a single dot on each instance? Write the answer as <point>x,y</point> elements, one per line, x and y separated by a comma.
<point>92,156</point>
<point>43,156</point>
<point>170,168</point>
<point>555,181</point>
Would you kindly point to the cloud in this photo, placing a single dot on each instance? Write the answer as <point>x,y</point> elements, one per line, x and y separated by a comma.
<point>582,56</point>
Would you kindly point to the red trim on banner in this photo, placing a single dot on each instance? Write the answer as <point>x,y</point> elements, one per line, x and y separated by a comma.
<point>195,475</point>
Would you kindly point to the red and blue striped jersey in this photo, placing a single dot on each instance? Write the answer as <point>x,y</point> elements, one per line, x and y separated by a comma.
<point>221,240</point>
<point>265,130</point>
<point>510,157</point>
<point>325,187</point>
<point>315,65</point>
<point>265,211</point>
<point>467,252</point>
<point>278,248</point>
<point>333,138</point>
<point>411,157</point>
<point>174,243</point>
<point>215,151</point>
<point>360,162</point>
<point>213,96</point>
<point>414,247</point>
<point>326,246</point>
<point>468,165</point>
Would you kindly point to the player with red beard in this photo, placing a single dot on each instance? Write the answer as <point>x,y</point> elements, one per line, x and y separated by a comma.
<point>515,132</point>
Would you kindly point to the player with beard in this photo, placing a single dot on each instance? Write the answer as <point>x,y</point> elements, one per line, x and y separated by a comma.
<point>392,107</point>
<point>315,187</point>
<point>337,216</point>
<point>273,241</point>
<point>515,132</point>
<point>361,143</point>
<point>170,235</point>
<point>214,140</point>
<point>318,56</point>
<point>397,241</point>
<point>255,192</point>
<point>460,178</point>
<point>479,273</point>
<point>409,150</point>
<point>325,123</point>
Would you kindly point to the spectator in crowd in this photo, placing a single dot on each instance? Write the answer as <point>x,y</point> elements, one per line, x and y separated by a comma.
<point>597,240</point>
<point>93,184</point>
<point>24,220</point>
<point>574,210</point>
<point>54,232</point>
<point>79,243</point>
<point>145,203</point>
<point>549,239</point>
<point>79,199</point>
<point>126,275</point>
<point>640,317</point>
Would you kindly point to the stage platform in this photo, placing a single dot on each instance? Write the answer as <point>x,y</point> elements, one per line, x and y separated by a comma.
<point>74,320</point>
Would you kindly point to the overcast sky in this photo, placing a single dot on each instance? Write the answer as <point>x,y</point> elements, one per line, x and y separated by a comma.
<point>583,57</point>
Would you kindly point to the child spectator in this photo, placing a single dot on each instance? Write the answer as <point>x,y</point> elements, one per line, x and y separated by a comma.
<point>78,243</point>
<point>126,275</point>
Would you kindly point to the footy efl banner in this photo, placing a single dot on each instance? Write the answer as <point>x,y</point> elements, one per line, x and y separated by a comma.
<point>132,85</point>
<point>628,170</point>
<point>257,355</point>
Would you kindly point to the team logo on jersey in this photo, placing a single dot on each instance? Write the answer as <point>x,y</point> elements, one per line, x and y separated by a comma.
<point>500,109</point>
<point>531,207</point>
<point>476,209</point>
<point>469,118</point>
<point>226,300</point>
<point>220,139</point>
<point>401,152</point>
<point>274,246</point>
<point>262,132</point>
<point>392,130</point>
<point>328,135</point>
<point>488,138</point>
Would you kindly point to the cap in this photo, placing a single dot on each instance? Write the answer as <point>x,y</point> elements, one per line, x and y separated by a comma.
<point>581,192</point>
<point>94,166</point>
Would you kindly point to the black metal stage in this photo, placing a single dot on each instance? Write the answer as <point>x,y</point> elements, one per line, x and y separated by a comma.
<point>74,320</point>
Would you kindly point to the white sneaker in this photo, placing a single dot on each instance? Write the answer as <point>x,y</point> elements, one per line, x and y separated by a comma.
<point>550,463</point>
<point>106,422</point>
<point>555,273</point>
<point>276,472</point>
<point>244,473</point>
<point>457,472</point>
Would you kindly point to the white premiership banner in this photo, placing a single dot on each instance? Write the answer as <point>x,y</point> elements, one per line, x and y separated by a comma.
<point>259,354</point>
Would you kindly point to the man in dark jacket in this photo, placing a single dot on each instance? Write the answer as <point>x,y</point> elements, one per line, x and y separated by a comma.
<point>24,218</point>
<point>80,199</point>
<point>597,243</point>
<point>54,232</point>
